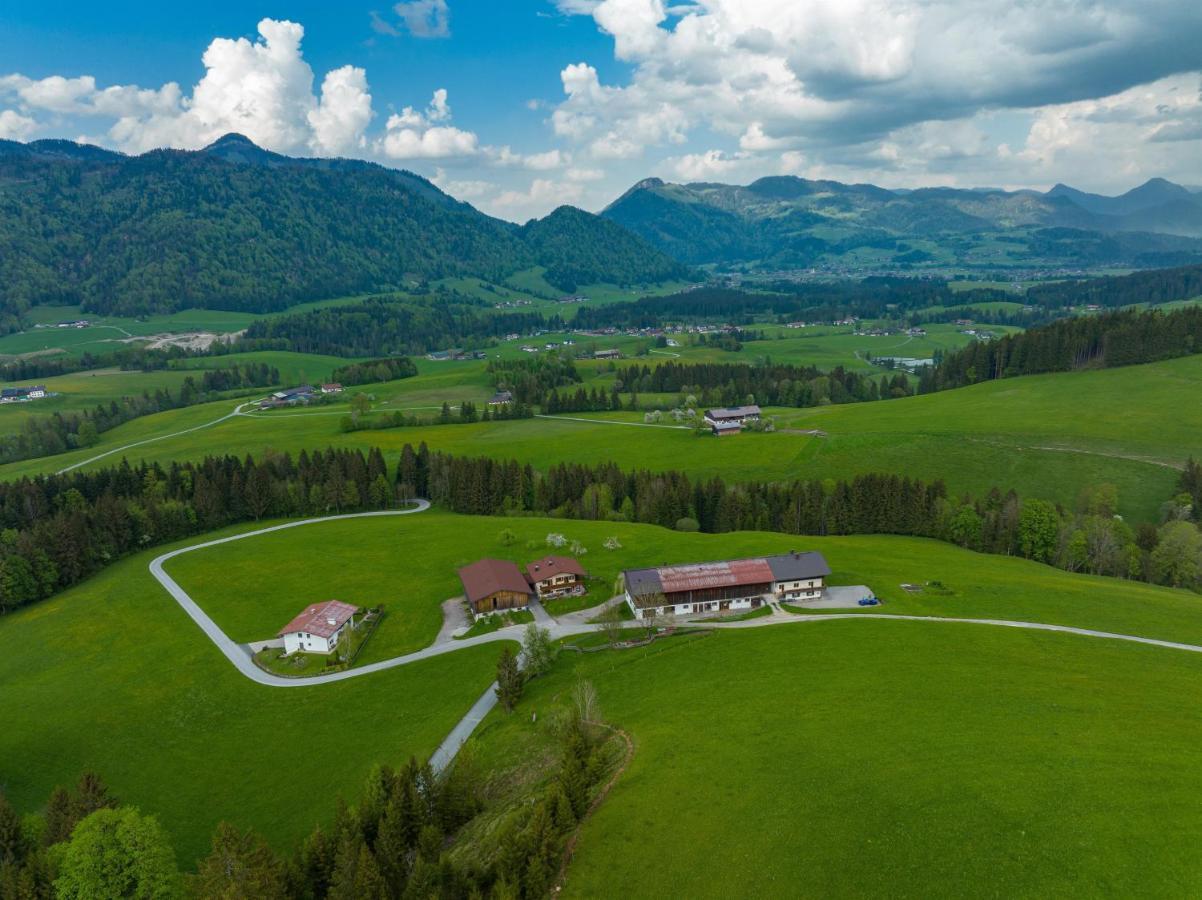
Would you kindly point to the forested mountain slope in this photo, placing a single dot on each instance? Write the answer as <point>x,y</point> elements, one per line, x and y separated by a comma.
<point>237,227</point>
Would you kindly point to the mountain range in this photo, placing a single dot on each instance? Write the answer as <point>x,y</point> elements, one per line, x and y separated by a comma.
<point>784,221</point>
<point>234,226</point>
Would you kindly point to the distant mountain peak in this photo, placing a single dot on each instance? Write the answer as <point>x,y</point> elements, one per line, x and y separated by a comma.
<point>648,184</point>
<point>233,139</point>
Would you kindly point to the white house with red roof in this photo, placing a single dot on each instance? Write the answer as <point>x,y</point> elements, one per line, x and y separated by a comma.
<point>319,628</point>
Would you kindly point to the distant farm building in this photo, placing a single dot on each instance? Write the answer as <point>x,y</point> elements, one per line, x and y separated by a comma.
<point>500,398</point>
<point>319,628</point>
<point>492,585</point>
<point>555,576</point>
<point>721,586</point>
<point>302,394</point>
<point>607,354</point>
<point>22,394</point>
<point>731,419</point>
<point>333,388</point>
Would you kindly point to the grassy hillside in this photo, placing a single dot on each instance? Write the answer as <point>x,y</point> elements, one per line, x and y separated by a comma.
<point>851,759</point>
<point>1045,436</point>
<point>113,675</point>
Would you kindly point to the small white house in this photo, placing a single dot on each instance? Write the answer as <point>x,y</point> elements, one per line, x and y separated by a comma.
<point>319,628</point>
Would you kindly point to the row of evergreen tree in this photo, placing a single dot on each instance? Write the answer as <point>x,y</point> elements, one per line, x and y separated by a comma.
<point>56,530</point>
<point>775,384</point>
<point>1152,286</point>
<point>1121,338</point>
<point>531,379</point>
<point>390,368</point>
<point>466,413</point>
<point>390,324</point>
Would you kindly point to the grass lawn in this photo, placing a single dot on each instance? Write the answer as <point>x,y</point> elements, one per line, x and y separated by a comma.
<point>851,759</point>
<point>113,675</point>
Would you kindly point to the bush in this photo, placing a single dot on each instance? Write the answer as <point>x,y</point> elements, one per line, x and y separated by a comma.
<point>686,523</point>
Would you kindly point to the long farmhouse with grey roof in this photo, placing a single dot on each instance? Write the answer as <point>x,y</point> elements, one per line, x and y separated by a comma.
<point>727,585</point>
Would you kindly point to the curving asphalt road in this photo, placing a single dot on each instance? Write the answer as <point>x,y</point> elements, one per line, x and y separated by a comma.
<point>161,437</point>
<point>240,656</point>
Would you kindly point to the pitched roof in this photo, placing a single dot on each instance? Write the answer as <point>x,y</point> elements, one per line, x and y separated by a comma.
<point>550,566</point>
<point>487,576</point>
<point>798,566</point>
<point>644,583</point>
<point>320,619</point>
<point>732,412</point>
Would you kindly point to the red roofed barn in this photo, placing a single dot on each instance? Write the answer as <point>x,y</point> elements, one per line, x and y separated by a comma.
<point>319,628</point>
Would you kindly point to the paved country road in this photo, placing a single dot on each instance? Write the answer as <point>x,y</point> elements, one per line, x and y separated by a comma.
<point>150,440</point>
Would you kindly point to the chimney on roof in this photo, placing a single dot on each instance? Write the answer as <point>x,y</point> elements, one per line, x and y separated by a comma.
<point>330,620</point>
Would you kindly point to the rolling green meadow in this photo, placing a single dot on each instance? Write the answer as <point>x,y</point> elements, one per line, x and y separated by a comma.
<point>139,693</point>
<point>112,675</point>
<point>870,758</point>
<point>1046,436</point>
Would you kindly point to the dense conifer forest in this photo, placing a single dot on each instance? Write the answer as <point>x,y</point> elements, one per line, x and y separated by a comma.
<point>1122,338</point>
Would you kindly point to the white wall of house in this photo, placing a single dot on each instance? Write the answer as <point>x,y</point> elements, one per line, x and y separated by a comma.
<point>312,643</point>
<point>807,589</point>
<point>687,609</point>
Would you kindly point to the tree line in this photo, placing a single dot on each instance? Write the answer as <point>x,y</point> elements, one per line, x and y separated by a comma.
<point>465,414</point>
<point>61,431</point>
<point>1154,286</point>
<point>56,530</point>
<point>383,325</point>
<point>530,380</point>
<point>1121,338</point>
<point>390,368</point>
<point>775,384</point>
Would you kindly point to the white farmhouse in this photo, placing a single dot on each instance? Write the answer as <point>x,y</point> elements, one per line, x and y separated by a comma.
<point>319,628</point>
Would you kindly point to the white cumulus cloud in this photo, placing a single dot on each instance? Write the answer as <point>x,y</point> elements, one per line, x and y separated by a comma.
<point>261,88</point>
<point>14,126</point>
<point>414,134</point>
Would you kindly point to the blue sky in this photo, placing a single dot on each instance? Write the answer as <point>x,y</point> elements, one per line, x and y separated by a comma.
<point>519,106</point>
